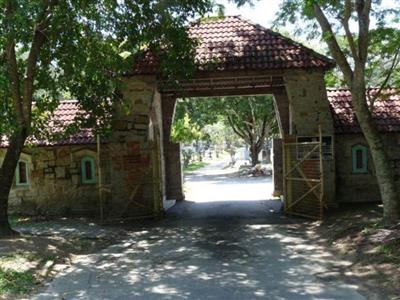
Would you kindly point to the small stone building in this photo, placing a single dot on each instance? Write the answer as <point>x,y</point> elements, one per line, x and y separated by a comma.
<point>137,170</point>
<point>58,178</point>
<point>355,174</point>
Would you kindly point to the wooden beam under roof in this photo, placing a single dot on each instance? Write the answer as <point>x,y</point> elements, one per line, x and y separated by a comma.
<point>217,86</point>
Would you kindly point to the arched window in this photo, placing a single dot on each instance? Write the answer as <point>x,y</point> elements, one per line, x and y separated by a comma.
<point>21,173</point>
<point>359,155</point>
<point>88,170</point>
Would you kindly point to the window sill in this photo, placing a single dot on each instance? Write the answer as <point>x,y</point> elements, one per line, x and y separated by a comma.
<point>22,186</point>
<point>89,183</point>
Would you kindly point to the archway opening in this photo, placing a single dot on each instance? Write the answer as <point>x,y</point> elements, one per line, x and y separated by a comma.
<point>226,154</point>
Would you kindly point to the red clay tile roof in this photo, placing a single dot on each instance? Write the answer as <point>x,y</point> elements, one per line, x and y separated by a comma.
<point>67,111</point>
<point>64,115</point>
<point>82,138</point>
<point>233,43</point>
<point>386,110</point>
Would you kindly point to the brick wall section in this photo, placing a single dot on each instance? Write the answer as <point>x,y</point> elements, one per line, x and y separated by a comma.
<point>172,153</point>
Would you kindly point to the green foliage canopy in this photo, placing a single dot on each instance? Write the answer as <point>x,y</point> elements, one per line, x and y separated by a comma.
<point>383,59</point>
<point>185,131</point>
<point>251,118</point>
<point>87,47</point>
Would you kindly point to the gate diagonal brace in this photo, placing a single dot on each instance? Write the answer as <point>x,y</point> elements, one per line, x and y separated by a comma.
<point>304,195</point>
<point>307,181</point>
<point>302,160</point>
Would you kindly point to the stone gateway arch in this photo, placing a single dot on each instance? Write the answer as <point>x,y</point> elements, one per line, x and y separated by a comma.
<point>321,158</point>
<point>234,57</point>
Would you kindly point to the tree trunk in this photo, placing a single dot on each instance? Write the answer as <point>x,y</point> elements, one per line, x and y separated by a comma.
<point>383,170</point>
<point>268,155</point>
<point>7,171</point>
<point>355,79</point>
<point>254,151</point>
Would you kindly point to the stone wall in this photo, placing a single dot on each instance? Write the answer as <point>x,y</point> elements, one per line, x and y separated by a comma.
<point>353,187</point>
<point>131,164</point>
<point>55,184</point>
<point>136,187</point>
<point>308,102</point>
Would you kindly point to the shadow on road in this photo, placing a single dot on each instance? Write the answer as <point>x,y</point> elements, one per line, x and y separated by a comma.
<point>206,259</point>
<point>260,211</point>
<point>230,241</point>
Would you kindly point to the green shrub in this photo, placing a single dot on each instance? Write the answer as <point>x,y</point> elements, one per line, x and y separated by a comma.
<point>15,282</point>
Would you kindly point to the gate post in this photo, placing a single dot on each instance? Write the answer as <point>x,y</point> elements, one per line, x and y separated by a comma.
<point>134,182</point>
<point>277,161</point>
<point>172,153</point>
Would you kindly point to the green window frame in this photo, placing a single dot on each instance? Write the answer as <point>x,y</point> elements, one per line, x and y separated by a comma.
<point>88,170</point>
<point>22,174</point>
<point>359,154</point>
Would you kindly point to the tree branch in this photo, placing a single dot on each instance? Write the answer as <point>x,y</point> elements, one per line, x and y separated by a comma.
<point>363,8</point>
<point>394,64</point>
<point>332,42</point>
<point>249,131</point>
<point>237,130</point>
<point>12,68</point>
<point>39,38</point>
<point>262,133</point>
<point>345,22</point>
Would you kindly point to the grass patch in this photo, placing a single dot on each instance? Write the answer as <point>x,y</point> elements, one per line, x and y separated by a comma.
<point>390,252</point>
<point>18,254</point>
<point>15,282</point>
<point>195,166</point>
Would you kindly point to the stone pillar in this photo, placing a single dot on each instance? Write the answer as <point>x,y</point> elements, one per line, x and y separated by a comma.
<point>309,108</point>
<point>308,103</point>
<point>281,104</point>
<point>277,163</point>
<point>172,153</point>
<point>131,152</point>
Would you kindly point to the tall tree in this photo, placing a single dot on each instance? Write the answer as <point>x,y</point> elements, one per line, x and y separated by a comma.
<point>82,48</point>
<point>252,119</point>
<point>341,18</point>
